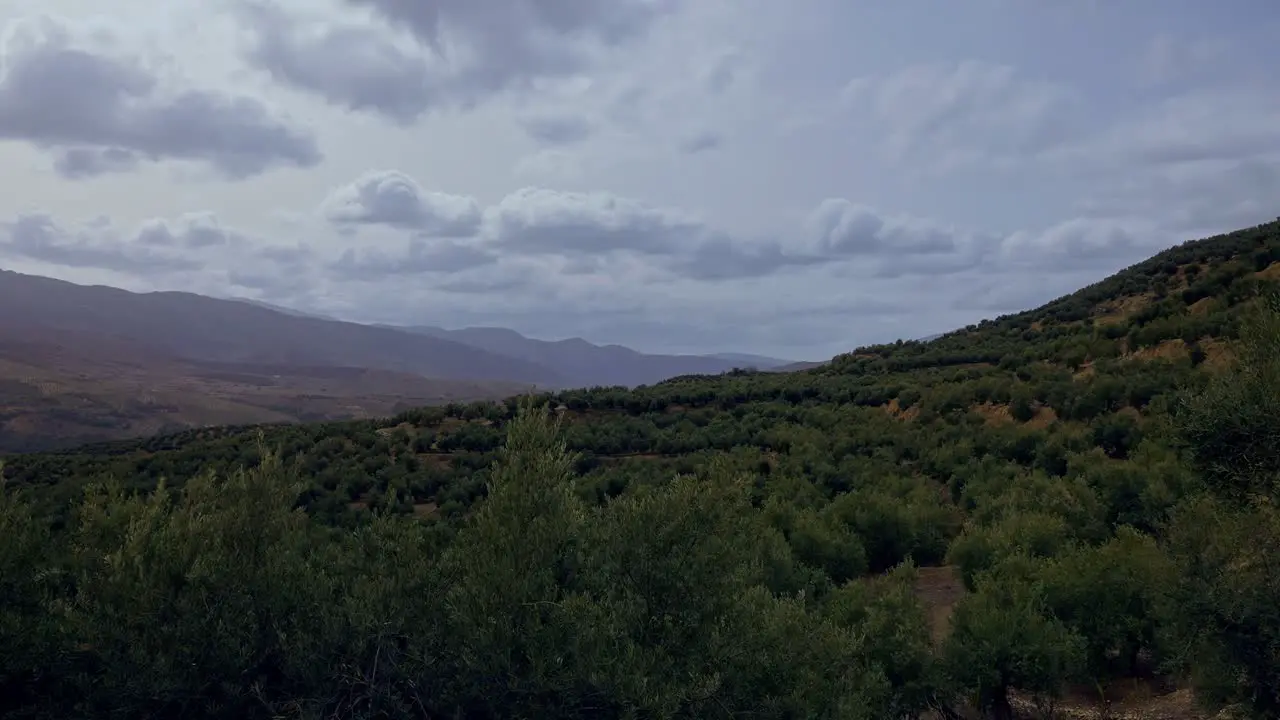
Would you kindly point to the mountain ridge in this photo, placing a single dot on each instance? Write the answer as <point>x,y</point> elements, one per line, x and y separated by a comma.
<point>78,360</point>
<point>206,328</point>
<point>590,364</point>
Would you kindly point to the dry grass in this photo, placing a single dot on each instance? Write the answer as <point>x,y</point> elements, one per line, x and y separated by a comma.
<point>895,410</point>
<point>1218,354</point>
<point>1118,311</point>
<point>76,397</point>
<point>436,460</point>
<point>1270,272</point>
<point>938,589</point>
<point>1145,705</point>
<point>1044,417</point>
<point>387,431</point>
<point>1182,281</point>
<point>1201,306</point>
<point>1131,411</point>
<point>994,413</point>
<point>1167,350</point>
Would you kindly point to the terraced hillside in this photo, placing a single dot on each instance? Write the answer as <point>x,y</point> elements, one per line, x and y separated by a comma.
<point>1038,470</point>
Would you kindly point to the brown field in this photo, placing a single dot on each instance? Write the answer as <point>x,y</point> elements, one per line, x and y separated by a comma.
<point>59,394</point>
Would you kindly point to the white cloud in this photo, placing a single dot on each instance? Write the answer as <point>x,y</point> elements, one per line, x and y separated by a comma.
<point>100,110</point>
<point>466,52</point>
<point>391,198</point>
<point>947,114</point>
<point>538,220</point>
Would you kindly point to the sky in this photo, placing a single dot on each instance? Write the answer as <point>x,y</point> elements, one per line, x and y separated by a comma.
<point>795,179</point>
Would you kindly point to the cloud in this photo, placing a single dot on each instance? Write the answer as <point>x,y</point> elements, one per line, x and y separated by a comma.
<point>191,231</point>
<point>721,257</point>
<point>1015,292</point>
<point>1223,123</point>
<point>1198,161</point>
<point>466,51</point>
<point>1168,60</point>
<point>37,236</point>
<point>841,227</point>
<point>1084,243</point>
<point>701,142</point>
<point>949,114</point>
<point>538,220</point>
<point>498,44</point>
<point>354,66</point>
<point>79,162</point>
<point>583,229</point>
<point>719,75</point>
<point>99,111</point>
<point>194,247</point>
<point>419,257</point>
<point>892,246</point>
<point>560,129</point>
<point>277,271</point>
<point>393,199</point>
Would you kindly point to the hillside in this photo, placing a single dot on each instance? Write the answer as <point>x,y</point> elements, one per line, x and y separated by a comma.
<point>61,389</point>
<point>1073,490</point>
<point>749,360</point>
<point>202,328</point>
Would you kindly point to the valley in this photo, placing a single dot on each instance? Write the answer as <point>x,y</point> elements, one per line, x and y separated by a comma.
<point>88,363</point>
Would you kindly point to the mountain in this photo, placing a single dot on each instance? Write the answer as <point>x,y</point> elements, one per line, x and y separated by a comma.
<point>581,363</point>
<point>747,360</point>
<point>88,363</point>
<point>61,389</point>
<point>796,366</point>
<point>196,327</point>
<point>575,360</point>
<point>283,309</point>
<point>1099,472</point>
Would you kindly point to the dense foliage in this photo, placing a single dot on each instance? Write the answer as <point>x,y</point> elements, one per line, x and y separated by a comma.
<point>1100,474</point>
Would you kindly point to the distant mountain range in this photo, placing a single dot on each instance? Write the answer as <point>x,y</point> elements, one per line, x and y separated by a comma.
<point>583,364</point>
<point>578,362</point>
<point>746,360</point>
<point>89,362</point>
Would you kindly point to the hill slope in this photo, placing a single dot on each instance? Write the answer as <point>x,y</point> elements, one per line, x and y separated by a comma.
<point>211,330</point>
<point>749,360</point>
<point>60,389</point>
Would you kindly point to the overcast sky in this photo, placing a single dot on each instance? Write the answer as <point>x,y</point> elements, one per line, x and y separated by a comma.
<point>792,178</point>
